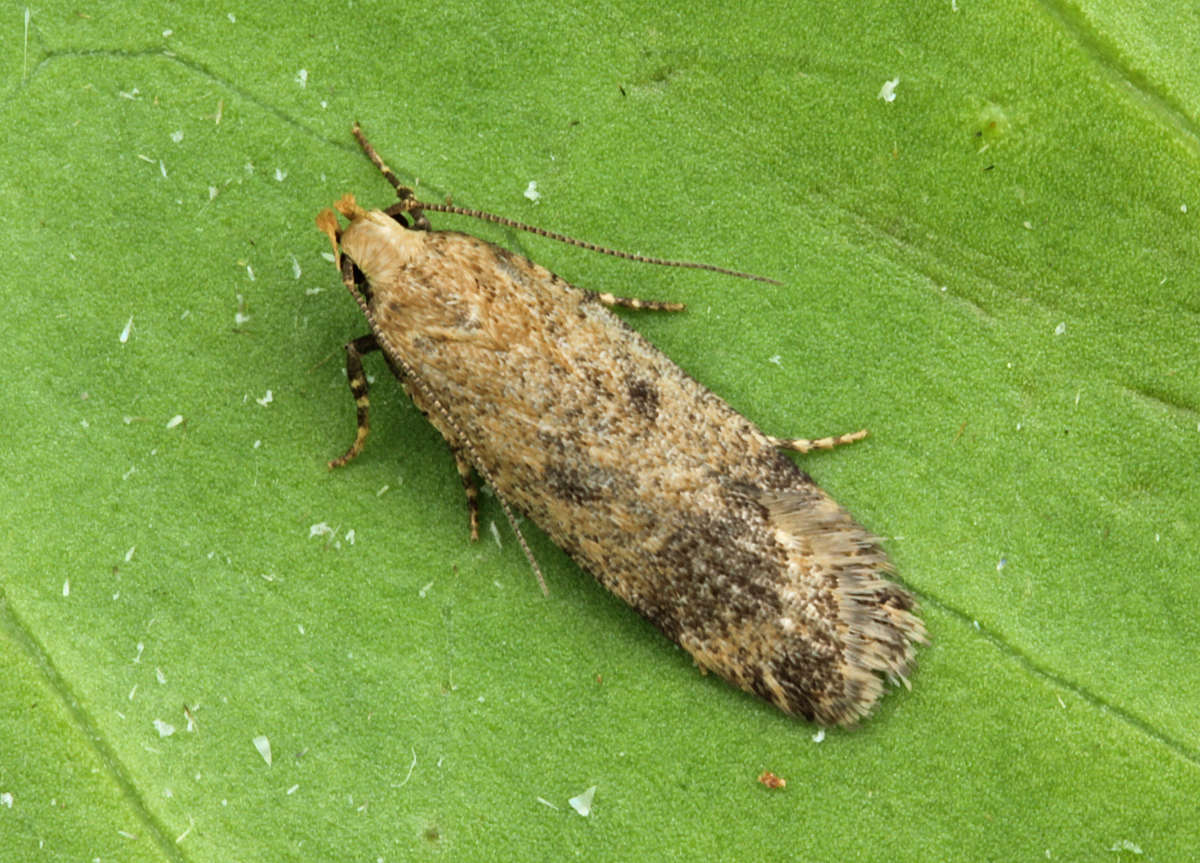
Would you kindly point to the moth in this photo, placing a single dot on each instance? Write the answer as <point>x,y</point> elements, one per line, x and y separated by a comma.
<point>670,498</point>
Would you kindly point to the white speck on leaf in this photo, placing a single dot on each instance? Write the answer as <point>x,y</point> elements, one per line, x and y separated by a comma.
<point>819,736</point>
<point>320,529</point>
<point>1061,328</point>
<point>280,174</point>
<point>129,554</point>
<point>495,534</point>
<point>582,803</point>
<point>302,77</point>
<point>531,191</point>
<point>296,272</point>
<point>177,136</point>
<point>267,399</point>
<point>174,421</point>
<point>66,587</point>
<point>124,337</point>
<point>263,745</point>
<point>1126,845</point>
<point>888,91</point>
<point>232,20</point>
<point>6,799</point>
<point>164,729</point>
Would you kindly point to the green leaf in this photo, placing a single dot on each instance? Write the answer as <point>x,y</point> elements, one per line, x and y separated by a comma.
<point>994,272</point>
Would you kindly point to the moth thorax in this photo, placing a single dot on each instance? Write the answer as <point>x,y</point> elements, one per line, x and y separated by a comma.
<point>380,246</point>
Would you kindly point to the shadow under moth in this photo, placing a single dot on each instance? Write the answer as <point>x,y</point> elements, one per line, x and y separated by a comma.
<point>669,497</point>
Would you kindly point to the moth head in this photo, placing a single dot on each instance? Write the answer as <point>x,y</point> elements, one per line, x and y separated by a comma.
<point>379,245</point>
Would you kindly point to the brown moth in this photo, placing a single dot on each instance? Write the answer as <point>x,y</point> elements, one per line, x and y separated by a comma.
<point>669,497</point>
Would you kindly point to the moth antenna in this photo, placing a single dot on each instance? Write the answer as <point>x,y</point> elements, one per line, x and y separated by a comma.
<point>410,204</point>
<point>410,373</point>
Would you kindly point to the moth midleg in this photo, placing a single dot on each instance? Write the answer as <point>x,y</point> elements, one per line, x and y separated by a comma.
<point>468,481</point>
<point>800,444</point>
<point>634,303</point>
<point>355,351</point>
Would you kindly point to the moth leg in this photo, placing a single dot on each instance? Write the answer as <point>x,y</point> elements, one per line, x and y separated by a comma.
<point>800,444</point>
<point>635,303</point>
<point>355,351</point>
<point>468,482</point>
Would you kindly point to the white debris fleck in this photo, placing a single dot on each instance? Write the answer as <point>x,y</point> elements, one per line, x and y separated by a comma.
<point>1126,845</point>
<point>819,736</point>
<point>1028,225</point>
<point>350,536</point>
<point>140,649</point>
<point>495,534</point>
<point>133,692</point>
<point>250,272</point>
<point>164,729</point>
<point>777,360</point>
<point>124,337</point>
<point>174,421</point>
<point>162,168</point>
<point>1183,208</point>
<point>302,77</point>
<point>6,799</point>
<point>177,136</point>
<point>159,676</point>
<point>257,444</point>
<point>132,94</point>
<point>546,802</point>
<point>411,767</point>
<point>66,587</point>
<point>232,20</point>
<point>531,191</point>
<point>888,91</point>
<point>312,292</point>
<point>293,789</point>
<point>184,834</point>
<point>167,34</point>
<point>212,192</point>
<point>267,399</point>
<point>382,491</point>
<point>280,174</point>
<point>320,529</point>
<point>1001,563</point>
<point>1061,328</point>
<point>129,554</point>
<point>263,745</point>
<point>424,590</point>
<point>300,628</point>
<point>296,271</point>
<point>583,802</point>
<point>85,423</point>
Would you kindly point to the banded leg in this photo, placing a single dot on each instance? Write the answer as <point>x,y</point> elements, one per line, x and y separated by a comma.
<point>468,482</point>
<point>634,303</point>
<point>355,351</point>
<point>805,445</point>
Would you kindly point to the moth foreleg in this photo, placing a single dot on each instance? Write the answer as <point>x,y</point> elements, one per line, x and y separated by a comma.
<point>472,491</point>
<point>800,444</point>
<point>634,303</point>
<point>355,351</point>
